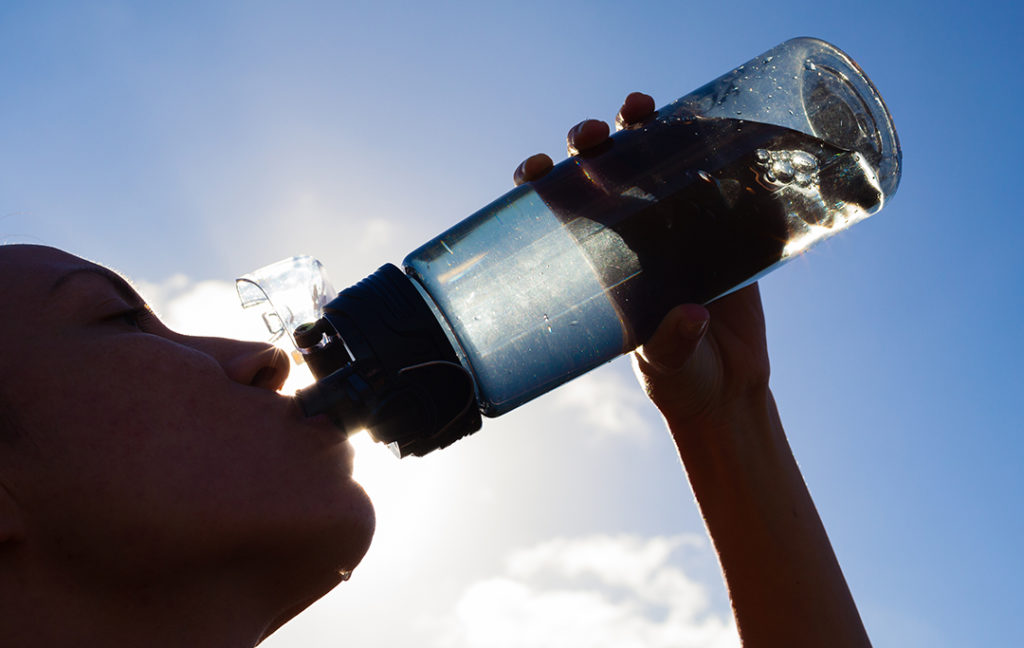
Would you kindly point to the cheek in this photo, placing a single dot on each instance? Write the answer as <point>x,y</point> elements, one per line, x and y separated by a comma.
<point>157,412</point>
<point>123,420</point>
<point>128,463</point>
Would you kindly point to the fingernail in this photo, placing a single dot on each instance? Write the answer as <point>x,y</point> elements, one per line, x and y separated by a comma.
<point>537,166</point>
<point>519,175</point>
<point>570,139</point>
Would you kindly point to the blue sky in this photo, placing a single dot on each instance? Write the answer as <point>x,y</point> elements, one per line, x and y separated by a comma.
<point>185,144</point>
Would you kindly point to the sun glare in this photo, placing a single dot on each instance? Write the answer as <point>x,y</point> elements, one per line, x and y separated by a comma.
<point>299,375</point>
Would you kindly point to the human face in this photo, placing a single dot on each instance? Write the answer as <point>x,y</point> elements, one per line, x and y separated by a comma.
<point>148,454</point>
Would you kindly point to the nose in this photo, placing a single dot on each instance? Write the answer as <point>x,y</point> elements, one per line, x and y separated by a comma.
<point>250,363</point>
<point>267,368</point>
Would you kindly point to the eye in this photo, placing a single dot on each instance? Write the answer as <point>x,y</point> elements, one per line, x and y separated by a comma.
<point>138,318</point>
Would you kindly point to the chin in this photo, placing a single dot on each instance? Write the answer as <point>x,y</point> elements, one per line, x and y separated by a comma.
<point>322,563</point>
<point>347,538</point>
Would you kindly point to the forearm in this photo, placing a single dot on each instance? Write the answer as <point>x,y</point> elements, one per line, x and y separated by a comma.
<point>783,578</point>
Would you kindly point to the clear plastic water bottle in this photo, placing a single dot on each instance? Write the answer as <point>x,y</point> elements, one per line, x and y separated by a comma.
<point>713,191</point>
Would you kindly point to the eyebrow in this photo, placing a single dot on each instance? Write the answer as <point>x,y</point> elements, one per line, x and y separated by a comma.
<point>123,288</point>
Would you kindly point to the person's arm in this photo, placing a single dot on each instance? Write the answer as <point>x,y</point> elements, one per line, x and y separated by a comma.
<point>707,372</point>
<point>783,578</point>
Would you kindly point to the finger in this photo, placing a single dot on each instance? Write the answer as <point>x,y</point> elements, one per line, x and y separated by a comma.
<point>533,167</point>
<point>674,341</point>
<point>585,135</point>
<point>635,109</point>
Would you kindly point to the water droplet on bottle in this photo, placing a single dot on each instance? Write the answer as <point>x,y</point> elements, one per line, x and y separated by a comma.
<point>547,322</point>
<point>809,65</point>
<point>704,175</point>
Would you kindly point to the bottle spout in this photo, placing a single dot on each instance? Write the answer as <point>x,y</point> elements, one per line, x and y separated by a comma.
<point>291,292</point>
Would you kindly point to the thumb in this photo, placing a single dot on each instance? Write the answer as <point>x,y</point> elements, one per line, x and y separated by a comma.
<point>674,341</point>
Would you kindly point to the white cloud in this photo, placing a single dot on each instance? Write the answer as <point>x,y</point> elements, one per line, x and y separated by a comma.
<point>606,402</point>
<point>593,592</point>
<point>202,308</point>
<point>619,561</point>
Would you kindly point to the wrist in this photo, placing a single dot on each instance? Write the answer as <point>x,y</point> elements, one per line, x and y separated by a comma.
<point>746,423</point>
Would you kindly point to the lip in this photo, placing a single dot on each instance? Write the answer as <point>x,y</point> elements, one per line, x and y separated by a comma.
<point>335,437</point>
<point>296,411</point>
<point>321,420</point>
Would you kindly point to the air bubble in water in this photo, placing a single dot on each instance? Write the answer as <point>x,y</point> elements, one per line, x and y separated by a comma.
<point>782,170</point>
<point>803,160</point>
<point>788,167</point>
<point>704,175</point>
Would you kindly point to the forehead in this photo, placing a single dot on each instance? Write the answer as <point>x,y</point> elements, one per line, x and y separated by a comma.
<point>29,272</point>
<point>38,258</point>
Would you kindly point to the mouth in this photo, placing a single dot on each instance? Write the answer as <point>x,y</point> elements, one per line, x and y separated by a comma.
<point>334,437</point>
<point>297,412</point>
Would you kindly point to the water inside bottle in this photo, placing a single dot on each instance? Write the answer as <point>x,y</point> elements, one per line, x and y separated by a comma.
<point>576,268</point>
